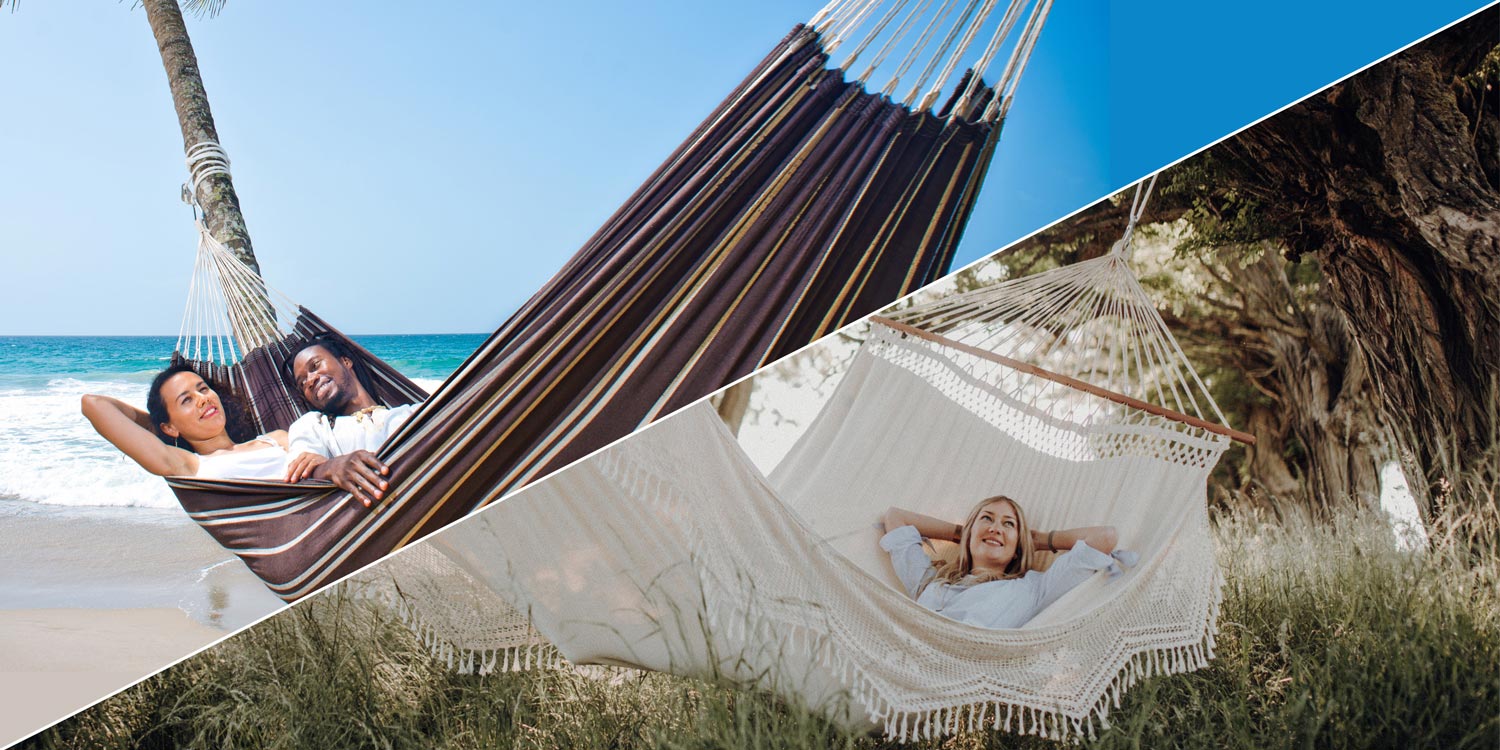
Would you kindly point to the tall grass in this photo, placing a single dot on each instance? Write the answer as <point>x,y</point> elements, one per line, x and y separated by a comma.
<point>1330,636</point>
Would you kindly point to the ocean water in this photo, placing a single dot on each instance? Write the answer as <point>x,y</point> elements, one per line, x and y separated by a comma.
<point>51,456</point>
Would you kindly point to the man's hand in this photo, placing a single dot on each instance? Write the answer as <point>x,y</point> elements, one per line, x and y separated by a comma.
<point>359,473</point>
<point>302,466</point>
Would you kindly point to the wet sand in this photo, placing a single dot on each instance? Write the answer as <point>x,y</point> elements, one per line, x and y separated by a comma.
<point>93,600</point>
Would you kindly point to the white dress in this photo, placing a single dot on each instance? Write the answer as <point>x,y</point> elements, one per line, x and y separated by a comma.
<point>315,432</point>
<point>265,462</point>
<point>993,604</point>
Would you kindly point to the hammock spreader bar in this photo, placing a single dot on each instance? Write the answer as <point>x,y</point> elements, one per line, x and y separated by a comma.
<point>801,203</point>
<point>1119,398</point>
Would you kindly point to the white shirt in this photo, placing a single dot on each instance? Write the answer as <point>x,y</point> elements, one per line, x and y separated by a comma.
<point>265,462</point>
<point>1009,603</point>
<point>312,433</point>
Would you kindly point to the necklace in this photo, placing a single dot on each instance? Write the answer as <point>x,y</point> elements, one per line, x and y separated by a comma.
<point>368,411</point>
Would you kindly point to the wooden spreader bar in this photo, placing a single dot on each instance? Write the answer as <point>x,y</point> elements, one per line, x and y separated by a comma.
<point>1120,398</point>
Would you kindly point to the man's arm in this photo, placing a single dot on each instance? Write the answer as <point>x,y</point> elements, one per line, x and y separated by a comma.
<point>307,446</point>
<point>360,473</point>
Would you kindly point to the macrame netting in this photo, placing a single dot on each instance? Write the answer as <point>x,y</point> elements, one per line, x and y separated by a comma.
<point>671,551</point>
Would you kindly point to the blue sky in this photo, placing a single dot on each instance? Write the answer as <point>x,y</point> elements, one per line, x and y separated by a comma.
<point>406,171</point>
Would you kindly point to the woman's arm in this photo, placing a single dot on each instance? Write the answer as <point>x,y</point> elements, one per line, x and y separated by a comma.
<point>130,430</point>
<point>932,528</point>
<point>1101,538</point>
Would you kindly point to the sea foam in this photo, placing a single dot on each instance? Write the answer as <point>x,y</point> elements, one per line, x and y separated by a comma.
<point>50,454</point>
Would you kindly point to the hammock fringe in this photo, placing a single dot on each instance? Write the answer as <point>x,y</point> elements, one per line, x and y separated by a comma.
<point>533,653</point>
<point>777,580</point>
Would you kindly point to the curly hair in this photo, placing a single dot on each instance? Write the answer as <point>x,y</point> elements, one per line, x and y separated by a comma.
<point>236,416</point>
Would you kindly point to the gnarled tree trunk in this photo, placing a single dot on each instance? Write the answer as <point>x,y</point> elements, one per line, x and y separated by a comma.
<point>1391,181</point>
<point>1320,442</point>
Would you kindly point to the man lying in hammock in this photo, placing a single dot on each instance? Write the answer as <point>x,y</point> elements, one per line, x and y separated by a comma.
<point>991,583</point>
<point>337,438</point>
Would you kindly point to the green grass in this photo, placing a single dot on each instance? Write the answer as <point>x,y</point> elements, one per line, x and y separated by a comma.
<point>1329,637</point>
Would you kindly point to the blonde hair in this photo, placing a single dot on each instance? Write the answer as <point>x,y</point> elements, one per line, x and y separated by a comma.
<point>961,567</point>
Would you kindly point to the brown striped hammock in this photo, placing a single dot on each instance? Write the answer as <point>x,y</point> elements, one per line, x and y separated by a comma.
<point>802,202</point>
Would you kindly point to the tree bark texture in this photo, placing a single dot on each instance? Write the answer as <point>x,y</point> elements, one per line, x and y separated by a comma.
<point>1320,424</point>
<point>221,207</point>
<point>1391,182</point>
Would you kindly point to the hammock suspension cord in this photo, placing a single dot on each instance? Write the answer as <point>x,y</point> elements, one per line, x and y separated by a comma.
<point>249,323</point>
<point>219,325</point>
<point>940,39</point>
<point>222,325</point>
<point>1123,246</point>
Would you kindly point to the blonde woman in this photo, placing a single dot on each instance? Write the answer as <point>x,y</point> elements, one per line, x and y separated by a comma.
<point>991,583</point>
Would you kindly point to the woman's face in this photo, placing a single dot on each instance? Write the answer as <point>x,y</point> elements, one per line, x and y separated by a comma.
<point>995,536</point>
<point>194,411</point>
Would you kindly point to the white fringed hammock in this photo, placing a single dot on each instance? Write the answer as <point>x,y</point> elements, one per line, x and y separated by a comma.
<point>670,551</point>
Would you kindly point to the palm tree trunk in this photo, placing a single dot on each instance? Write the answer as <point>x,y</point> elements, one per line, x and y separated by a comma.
<point>221,207</point>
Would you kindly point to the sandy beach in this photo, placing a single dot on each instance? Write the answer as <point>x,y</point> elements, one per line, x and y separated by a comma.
<point>104,580</point>
<point>95,599</point>
<point>123,558</point>
<point>54,662</point>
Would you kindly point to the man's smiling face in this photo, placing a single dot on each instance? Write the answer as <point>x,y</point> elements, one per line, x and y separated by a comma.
<point>327,382</point>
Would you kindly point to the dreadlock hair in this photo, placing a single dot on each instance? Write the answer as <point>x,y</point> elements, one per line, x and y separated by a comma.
<point>333,344</point>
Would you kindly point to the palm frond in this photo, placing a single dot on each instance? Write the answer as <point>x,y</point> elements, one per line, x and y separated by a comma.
<point>199,8</point>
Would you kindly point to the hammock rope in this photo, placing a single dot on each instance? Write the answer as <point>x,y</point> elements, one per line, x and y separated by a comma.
<point>937,42</point>
<point>238,331</point>
<point>205,159</point>
<point>1096,306</point>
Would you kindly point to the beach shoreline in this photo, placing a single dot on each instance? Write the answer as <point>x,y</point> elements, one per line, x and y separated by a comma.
<point>106,580</point>
<point>123,558</point>
<point>94,600</point>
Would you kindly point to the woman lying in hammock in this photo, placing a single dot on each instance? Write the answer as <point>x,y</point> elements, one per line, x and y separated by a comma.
<point>991,583</point>
<point>185,431</point>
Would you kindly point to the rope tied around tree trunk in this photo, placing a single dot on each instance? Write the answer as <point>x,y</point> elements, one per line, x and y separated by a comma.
<point>204,159</point>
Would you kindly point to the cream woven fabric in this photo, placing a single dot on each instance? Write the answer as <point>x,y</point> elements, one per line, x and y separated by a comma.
<point>670,551</point>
